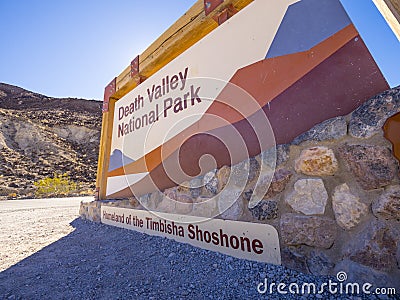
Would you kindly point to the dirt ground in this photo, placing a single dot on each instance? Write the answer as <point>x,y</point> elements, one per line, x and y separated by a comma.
<point>27,226</point>
<point>47,252</point>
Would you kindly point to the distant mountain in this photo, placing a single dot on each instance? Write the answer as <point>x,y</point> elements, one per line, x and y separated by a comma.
<point>13,97</point>
<point>40,135</point>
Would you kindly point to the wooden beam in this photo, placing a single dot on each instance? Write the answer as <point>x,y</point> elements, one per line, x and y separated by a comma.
<point>390,10</point>
<point>105,150</point>
<point>185,32</point>
<point>394,6</point>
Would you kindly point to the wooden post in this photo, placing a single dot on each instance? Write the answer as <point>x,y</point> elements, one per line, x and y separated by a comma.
<point>105,140</point>
<point>390,10</point>
<point>184,33</point>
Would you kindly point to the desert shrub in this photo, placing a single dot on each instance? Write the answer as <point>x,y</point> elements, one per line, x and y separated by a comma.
<point>58,185</point>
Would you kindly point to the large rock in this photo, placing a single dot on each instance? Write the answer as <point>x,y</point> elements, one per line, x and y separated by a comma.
<point>184,204</point>
<point>274,157</point>
<point>269,185</point>
<point>348,208</point>
<point>183,188</point>
<point>294,258</point>
<point>90,211</point>
<point>375,247</point>
<point>134,203</point>
<point>236,176</point>
<point>317,161</point>
<point>244,172</point>
<point>279,182</point>
<point>251,165</point>
<point>210,183</point>
<point>176,203</point>
<point>309,197</point>
<point>373,166</point>
<point>230,204</point>
<point>222,176</point>
<point>319,263</point>
<point>154,200</point>
<point>204,207</point>
<point>308,230</point>
<point>387,205</point>
<point>167,205</point>
<point>144,200</point>
<point>193,187</point>
<point>265,209</point>
<point>331,129</point>
<point>369,118</point>
<point>171,193</point>
<point>282,154</point>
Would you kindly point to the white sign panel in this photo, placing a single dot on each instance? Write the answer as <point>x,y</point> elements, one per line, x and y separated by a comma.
<point>253,28</point>
<point>146,117</point>
<point>258,242</point>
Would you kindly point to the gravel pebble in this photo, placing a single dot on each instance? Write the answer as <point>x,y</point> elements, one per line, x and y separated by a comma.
<point>96,261</point>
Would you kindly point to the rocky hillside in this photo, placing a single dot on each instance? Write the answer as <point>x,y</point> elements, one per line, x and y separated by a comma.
<point>40,135</point>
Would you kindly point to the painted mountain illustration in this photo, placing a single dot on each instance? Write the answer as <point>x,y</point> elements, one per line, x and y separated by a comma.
<point>118,160</point>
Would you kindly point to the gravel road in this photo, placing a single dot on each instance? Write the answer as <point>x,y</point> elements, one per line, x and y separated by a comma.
<point>47,252</point>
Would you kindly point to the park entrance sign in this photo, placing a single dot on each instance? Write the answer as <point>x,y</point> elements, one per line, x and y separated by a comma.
<point>230,80</point>
<point>289,57</point>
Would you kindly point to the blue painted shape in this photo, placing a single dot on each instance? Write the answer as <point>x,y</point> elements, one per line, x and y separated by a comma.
<point>118,160</point>
<point>379,38</point>
<point>306,24</point>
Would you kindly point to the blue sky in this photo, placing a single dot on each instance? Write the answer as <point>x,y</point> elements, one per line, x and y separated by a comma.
<point>73,48</point>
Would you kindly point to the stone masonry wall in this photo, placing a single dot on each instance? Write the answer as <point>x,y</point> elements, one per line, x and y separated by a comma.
<point>333,195</point>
